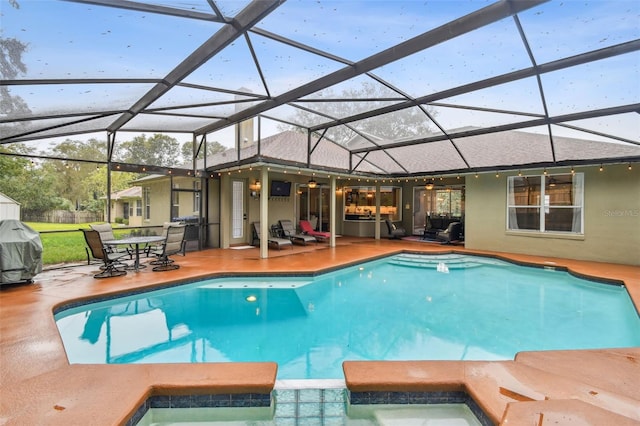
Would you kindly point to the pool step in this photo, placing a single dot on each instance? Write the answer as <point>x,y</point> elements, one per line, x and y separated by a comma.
<point>443,414</point>
<point>441,262</point>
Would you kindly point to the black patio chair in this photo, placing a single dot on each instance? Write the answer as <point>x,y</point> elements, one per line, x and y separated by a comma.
<point>394,231</point>
<point>451,234</point>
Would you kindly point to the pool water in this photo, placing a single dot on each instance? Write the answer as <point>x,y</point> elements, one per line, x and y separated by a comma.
<point>315,407</point>
<point>446,307</point>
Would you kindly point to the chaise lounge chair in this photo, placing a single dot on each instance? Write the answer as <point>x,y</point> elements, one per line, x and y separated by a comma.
<point>272,241</point>
<point>307,229</point>
<point>289,231</point>
<point>394,231</point>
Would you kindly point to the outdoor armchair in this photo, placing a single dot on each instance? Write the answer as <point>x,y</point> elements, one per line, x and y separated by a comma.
<point>112,265</point>
<point>394,231</point>
<point>173,244</point>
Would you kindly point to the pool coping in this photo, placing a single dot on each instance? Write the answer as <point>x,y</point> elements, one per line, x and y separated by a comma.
<point>44,388</point>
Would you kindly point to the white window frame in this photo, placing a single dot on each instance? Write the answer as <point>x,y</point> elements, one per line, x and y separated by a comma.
<point>544,207</point>
<point>196,196</point>
<point>237,209</point>
<point>146,191</point>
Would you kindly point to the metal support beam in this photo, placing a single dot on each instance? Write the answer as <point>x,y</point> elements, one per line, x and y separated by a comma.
<point>515,126</point>
<point>560,64</point>
<point>453,29</point>
<point>246,19</point>
<point>152,8</point>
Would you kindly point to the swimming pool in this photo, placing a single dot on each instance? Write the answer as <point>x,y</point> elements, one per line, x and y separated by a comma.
<point>407,306</point>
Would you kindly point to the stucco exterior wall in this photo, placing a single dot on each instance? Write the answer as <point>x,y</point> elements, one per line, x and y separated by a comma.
<point>611,218</point>
<point>117,211</point>
<point>160,202</point>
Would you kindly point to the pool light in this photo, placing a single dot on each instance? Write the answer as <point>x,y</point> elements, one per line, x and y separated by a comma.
<point>251,298</point>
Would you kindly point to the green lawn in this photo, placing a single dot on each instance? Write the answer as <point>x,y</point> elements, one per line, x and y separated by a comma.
<point>66,245</point>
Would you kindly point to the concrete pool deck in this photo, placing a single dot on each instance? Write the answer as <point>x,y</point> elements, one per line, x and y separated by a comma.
<point>40,387</point>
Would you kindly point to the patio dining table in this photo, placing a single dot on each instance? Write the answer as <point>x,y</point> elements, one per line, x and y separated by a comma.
<point>136,241</point>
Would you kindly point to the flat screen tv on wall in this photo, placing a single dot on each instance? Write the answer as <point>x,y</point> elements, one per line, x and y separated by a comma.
<point>280,188</point>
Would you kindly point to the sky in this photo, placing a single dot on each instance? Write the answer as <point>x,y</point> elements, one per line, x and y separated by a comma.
<point>87,41</point>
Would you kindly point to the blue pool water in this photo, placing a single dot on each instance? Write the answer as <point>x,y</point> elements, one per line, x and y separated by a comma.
<point>403,307</point>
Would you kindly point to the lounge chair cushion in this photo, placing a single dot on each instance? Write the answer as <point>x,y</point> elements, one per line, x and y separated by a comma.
<point>289,231</point>
<point>306,227</point>
<point>272,241</point>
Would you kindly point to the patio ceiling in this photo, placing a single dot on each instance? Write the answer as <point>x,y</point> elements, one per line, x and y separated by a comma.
<point>465,85</point>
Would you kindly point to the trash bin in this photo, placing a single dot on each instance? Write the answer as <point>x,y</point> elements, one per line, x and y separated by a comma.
<point>20,252</point>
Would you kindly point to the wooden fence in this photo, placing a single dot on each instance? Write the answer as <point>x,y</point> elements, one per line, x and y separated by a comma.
<point>63,216</point>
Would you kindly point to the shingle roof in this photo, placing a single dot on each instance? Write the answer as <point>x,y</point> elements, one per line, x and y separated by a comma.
<point>132,192</point>
<point>479,152</point>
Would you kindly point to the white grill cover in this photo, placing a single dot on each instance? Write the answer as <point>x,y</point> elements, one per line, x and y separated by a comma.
<point>20,252</point>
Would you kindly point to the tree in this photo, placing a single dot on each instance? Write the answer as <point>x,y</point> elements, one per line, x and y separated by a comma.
<point>95,187</point>
<point>11,65</point>
<point>25,182</point>
<point>407,123</point>
<point>12,165</point>
<point>71,175</point>
<point>157,150</point>
<point>212,148</point>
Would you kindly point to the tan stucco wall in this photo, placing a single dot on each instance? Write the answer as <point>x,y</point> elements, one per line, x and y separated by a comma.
<point>611,218</point>
<point>160,199</point>
<point>279,207</point>
<point>117,210</point>
<point>160,205</point>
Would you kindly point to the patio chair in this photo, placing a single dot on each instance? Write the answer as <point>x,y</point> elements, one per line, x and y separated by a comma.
<point>272,240</point>
<point>430,231</point>
<point>152,248</point>
<point>394,231</point>
<point>289,231</point>
<point>451,234</point>
<point>307,229</point>
<point>111,260</point>
<point>106,234</point>
<point>173,244</point>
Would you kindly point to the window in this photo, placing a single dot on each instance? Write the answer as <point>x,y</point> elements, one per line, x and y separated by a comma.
<point>442,202</point>
<point>448,202</point>
<point>552,203</point>
<point>360,203</point>
<point>138,207</point>
<point>146,195</point>
<point>196,196</point>
<point>175,201</point>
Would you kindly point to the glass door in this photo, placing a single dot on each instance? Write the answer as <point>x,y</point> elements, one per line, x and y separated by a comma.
<point>238,212</point>
<point>313,205</point>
